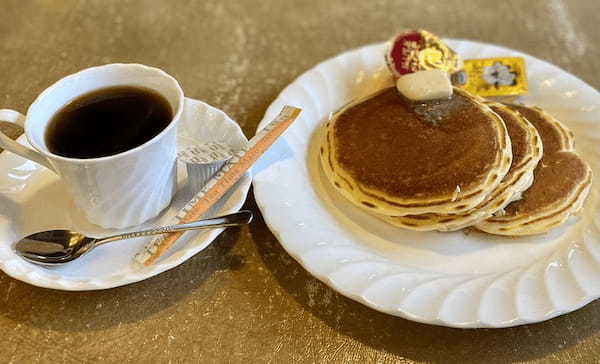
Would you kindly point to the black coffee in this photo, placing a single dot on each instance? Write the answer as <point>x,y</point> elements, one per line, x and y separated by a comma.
<point>107,121</point>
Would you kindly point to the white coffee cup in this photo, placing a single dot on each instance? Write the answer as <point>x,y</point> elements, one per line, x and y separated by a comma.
<point>116,191</point>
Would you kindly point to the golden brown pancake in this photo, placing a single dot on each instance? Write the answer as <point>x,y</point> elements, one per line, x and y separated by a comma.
<point>561,182</point>
<point>527,150</point>
<point>393,157</point>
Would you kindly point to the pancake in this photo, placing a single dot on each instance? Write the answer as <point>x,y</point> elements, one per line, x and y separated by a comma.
<point>527,151</point>
<point>561,184</point>
<point>393,157</point>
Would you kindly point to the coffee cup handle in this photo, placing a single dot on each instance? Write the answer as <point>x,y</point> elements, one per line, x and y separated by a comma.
<point>7,143</point>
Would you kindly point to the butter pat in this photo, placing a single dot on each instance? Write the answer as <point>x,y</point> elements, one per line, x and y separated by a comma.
<point>425,85</point>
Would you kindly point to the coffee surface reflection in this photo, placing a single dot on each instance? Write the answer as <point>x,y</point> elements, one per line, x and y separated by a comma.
<point>107,122</point>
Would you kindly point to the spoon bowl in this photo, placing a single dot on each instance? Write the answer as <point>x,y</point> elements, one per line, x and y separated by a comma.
<point>55,247</point>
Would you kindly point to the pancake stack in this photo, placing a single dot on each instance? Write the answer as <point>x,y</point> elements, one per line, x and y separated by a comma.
<point>452,163</point>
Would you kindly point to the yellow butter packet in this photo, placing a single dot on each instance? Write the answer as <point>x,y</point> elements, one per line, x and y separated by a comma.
<point>502,76</point>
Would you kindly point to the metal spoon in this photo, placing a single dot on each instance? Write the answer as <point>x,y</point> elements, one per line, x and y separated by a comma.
<point>55,247</point>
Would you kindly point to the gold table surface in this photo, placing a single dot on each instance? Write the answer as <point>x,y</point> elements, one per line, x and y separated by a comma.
<point>244,299</point>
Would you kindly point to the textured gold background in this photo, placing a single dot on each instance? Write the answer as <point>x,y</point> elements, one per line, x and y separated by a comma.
<point>244,299</point>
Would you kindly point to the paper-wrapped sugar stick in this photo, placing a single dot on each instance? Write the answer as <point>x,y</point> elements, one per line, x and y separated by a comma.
<point>221,182</point>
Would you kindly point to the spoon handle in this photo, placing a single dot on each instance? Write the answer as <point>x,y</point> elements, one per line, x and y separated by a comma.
<point>235,219</point>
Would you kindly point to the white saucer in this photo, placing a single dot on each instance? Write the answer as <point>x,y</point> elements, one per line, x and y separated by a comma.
<point>450,279</point>
<point>33,199</point>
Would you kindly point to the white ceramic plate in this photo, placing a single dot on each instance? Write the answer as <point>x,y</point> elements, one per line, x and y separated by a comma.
<point>33,199</point>
<point>451,279</point>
